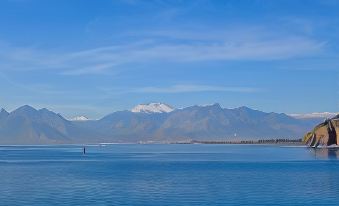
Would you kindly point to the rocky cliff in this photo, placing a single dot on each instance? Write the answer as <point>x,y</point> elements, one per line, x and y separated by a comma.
<point>324,134</point>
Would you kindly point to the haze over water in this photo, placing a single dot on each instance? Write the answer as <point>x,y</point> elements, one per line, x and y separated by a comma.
<point>168,175</point>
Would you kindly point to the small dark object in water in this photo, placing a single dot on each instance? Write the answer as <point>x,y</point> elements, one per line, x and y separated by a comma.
<point>84,150</point>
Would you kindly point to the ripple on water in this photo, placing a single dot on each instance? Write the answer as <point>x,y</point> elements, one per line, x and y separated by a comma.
<point>157,175</point>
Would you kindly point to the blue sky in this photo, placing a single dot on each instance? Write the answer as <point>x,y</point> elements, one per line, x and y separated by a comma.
<point>79,57</point>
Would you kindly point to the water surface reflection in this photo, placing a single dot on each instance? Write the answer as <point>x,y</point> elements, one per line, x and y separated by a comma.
<point>325,153</point>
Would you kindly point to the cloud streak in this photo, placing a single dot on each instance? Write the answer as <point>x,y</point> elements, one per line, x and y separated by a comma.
<point>222,46</point>
<point>194,88</point>
<point>181,88</point>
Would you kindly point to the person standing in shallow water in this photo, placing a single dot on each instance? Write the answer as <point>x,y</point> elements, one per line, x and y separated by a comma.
<point>84,150</point>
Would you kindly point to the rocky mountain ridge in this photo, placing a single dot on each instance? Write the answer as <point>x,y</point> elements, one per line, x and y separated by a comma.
<point>26,125</point>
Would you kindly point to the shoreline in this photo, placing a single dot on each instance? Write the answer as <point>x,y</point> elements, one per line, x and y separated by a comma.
<point>155,143</point>
<point>249,142</point>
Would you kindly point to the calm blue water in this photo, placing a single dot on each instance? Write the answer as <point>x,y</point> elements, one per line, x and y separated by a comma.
<point>168,175</point>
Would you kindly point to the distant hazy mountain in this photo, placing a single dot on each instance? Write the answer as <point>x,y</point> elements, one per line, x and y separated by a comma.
<point>152,122</point>
<point>214,122</point>
<point>27,125</point>
<point>3,114</point>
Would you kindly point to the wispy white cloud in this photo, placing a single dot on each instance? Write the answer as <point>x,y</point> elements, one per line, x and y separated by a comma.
<point>31,91</point>
<point>181,88</point>
<point>195,88</point>
<point>206,46</point>
<point>228,50</point>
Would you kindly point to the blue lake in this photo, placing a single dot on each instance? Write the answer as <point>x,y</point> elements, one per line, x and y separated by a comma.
<point>168,175</point>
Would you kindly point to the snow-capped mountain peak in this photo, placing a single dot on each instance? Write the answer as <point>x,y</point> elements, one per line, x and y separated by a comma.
<point>152,108</point>
<point>79,118</point>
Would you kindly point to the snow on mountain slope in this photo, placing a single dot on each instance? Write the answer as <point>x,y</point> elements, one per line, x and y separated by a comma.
<point>314,115</point>
<point>152,108</point>
<point>79,118</point>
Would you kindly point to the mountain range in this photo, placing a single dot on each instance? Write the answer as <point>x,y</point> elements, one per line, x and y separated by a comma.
<point>154,122</point>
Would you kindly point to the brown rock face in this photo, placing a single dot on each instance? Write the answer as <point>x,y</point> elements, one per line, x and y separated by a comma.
<point>324,134</point>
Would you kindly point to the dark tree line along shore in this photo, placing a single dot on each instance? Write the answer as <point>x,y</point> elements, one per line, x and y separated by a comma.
<point>260,141</point>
